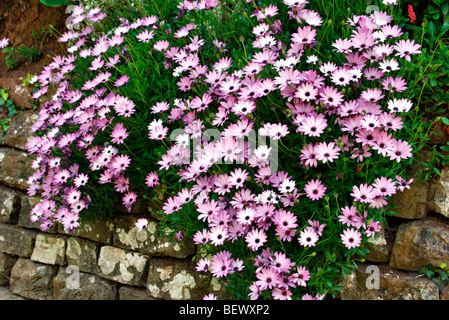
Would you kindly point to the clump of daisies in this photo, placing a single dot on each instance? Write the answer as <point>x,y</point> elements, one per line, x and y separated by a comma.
<point>280,162</point>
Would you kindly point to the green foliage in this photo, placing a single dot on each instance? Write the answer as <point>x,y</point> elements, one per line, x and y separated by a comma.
<point>15,54</point>
<point>431,83</point>
<point>6,104</point>
<point>439,275</point>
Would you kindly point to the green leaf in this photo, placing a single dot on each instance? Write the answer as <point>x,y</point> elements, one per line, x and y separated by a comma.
<point>445,120</point>
<point>436,171</point>
<point>54,3</point>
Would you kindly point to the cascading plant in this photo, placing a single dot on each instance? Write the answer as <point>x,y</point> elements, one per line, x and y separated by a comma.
<point>278,131</point>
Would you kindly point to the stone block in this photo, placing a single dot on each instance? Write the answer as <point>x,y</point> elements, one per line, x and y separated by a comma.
<point>99,231</point>
<point>9,206</point>
<point>439,194</point>
<point>32,280</point>
<point>420,243</point>
<point>17,135</point>
<point>133,293</point>
<point>18,92</point>
<point>380,246</point>
<point>27,203</point>
<point>71,284</point>
<point>380,282</point>
<point>149,241</point>
<point>83,253</point>
<point>123,266</point>
<point>6,294</point>
<point>6,263</point>
<point>49,249</point>
<point>17,241</point>
<point>411,203</point>
<point>15,168</point>
<point>444,295</point>
<point>178,280</point>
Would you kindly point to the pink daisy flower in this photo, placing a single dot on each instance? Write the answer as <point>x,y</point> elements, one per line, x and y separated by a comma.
<point>129,199</point>
<point>285,219</point>
<point>145,36</point>
<point>308,237</point>
<point>313,125</point>
<point>268,278</point>
<point>314,189</point>
<point>217,235</point>
<point>326,151</point>
<point>384,186</point>
<point>364,193</point>
<point>4,43</point>
<point>331,96</point>
<point>372,95</point>
<point>351,238</point>
<point>141,224</point>
<point>373,228</point>
<point>121,81</point>
<point>306,92</point>
<point>400,149</point>
<point>221,264</point>
<point>394,84</point>
<point>348,215</point>
<point>255,239</point>
<point>119,134</point>
<point>308,156</point>
<point>405,48</point>
<point>301,276</point>
<point>152,179</point>
<point>304,35</point>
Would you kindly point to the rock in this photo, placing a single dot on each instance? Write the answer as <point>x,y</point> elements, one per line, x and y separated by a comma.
<point>123,266</point>
<point>149,241</point>
<point>178,280</point>
<point>133,293</point>
<point>83,253</point>
<point>16,241</point>
<point>32,280</point>
<point>378,282</point>
<point>71,284</point>
<point>27,203</point>
<point>6,264</point>
<point>99,231</point>
<point>439,194</point>
<point>49,249</point>
<point>444,295</point>
<point>17,135</point>
<point>9,206</point>
<point>6,294</point>
<point>420,243</point>
<point>15,167</point>
<point>382,243</point>
<point>18,92</point>
<point>411,203</point>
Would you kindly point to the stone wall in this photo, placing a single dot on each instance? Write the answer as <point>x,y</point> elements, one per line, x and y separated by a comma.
<point>112,260</point>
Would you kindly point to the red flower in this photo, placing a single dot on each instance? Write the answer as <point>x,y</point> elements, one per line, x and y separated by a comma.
<point>411,14</point>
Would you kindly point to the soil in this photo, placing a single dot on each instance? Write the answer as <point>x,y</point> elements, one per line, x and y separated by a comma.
<point>27,22</point>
